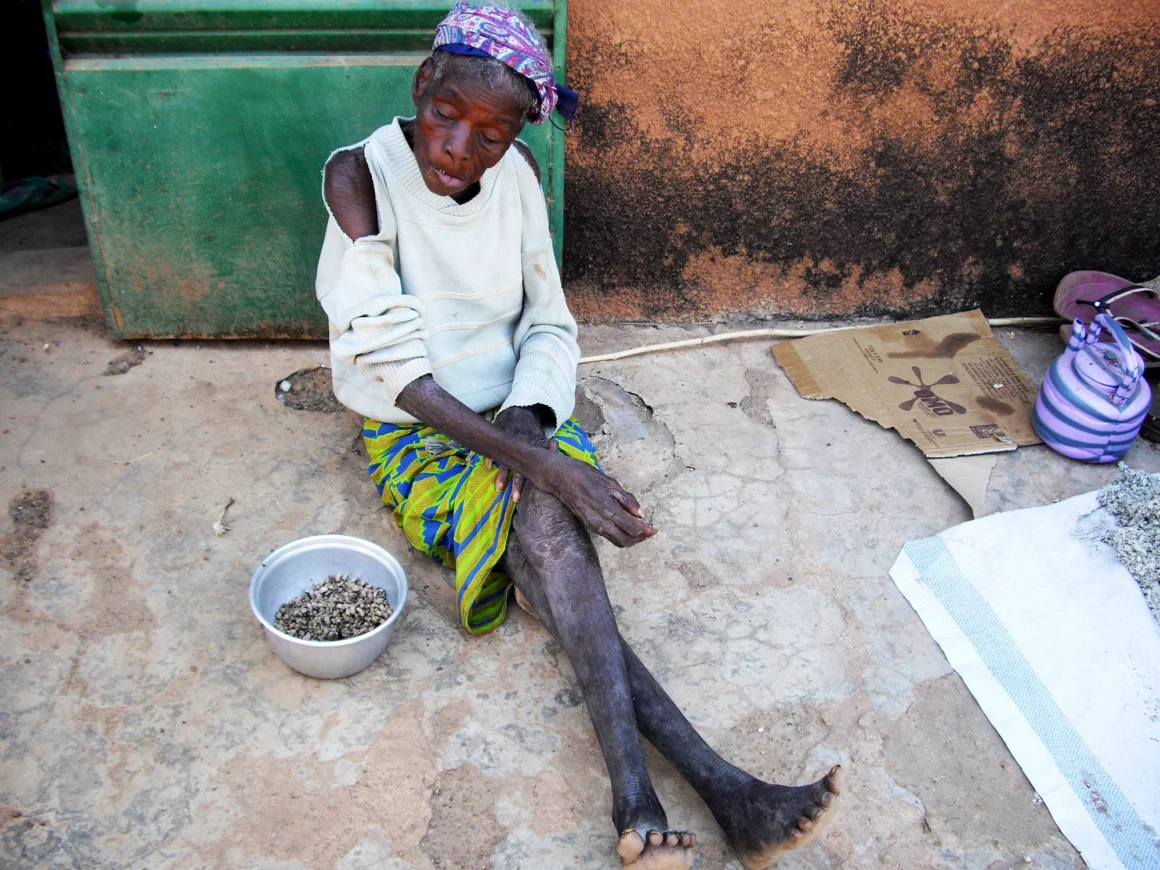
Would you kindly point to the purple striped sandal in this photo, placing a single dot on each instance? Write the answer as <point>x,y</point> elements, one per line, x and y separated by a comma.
<point>1094,398</point>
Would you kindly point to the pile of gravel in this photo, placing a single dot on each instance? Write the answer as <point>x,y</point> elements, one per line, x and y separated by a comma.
<point>1133,499</point>
<point>334,609</point>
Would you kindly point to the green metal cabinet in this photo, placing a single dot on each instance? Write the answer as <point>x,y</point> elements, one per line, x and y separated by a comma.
<point>199,128</point>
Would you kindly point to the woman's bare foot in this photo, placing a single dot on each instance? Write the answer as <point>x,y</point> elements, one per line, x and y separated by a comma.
<point>656,850</point>
<point>764,821</point>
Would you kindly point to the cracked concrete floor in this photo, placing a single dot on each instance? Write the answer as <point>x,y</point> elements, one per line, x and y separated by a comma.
<point>144,721</point>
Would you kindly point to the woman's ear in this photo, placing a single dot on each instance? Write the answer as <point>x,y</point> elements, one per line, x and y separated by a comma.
<point>422,80</point>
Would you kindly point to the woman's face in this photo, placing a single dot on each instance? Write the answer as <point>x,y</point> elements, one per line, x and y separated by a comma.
<point>462,129</point>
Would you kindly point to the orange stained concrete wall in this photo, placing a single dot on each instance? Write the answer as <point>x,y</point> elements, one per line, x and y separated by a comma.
<point>830,157</point>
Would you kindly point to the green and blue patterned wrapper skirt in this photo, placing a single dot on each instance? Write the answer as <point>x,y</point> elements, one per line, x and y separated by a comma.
<point>444,499</point>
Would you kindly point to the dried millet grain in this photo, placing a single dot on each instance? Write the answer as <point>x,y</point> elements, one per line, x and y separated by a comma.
<point>1133,499</point>
<point>334,609</point>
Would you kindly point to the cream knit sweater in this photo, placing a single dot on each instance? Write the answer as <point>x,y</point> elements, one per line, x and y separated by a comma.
<point>467,293</point>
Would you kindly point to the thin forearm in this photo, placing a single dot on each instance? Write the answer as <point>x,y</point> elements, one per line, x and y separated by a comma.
<point>429,403</point>
<point>598,500</point>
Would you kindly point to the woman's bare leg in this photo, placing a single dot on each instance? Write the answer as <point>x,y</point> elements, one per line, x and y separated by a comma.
<point>761,820</point>
<point>549,544</point>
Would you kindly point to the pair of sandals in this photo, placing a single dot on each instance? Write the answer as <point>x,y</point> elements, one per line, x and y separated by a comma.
<point>1136,307</point>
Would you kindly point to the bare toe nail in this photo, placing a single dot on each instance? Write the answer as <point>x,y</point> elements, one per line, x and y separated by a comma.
<point>834,779</point>
<point>813,811</point>
<point>805,825</point>
<point>655,838</point>
<point>687,840</point>
<point>797,835</point>
<point>630,846</point>
<point>826,799</point>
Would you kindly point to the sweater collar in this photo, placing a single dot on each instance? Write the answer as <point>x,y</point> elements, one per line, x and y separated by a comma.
<point>391,141</point>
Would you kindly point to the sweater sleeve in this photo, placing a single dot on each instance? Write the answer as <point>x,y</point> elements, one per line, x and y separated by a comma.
<point>373,324</point>
<point>545,337</point>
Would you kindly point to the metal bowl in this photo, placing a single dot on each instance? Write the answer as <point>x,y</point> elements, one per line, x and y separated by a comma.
<point>292,569</point>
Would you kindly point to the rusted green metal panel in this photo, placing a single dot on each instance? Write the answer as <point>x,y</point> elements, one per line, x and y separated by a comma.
<point>200,171</point>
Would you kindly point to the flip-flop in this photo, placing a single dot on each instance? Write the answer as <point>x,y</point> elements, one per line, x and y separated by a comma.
<point>1142,338</point>
<point>1136,307</point>
<point>1145,337</point>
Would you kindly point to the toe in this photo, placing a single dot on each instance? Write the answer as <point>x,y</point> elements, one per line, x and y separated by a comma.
<point>656,849</point>
<point>834,779</point>
<point>805,825</point>
<point>630,845</point>
<point>812,811</point>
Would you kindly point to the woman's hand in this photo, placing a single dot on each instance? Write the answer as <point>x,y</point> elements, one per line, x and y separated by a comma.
<point>600,502</point>
<point>516,440</point>
<point>523,425</point>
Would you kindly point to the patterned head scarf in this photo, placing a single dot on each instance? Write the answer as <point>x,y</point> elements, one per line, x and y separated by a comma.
<point>490,31</point>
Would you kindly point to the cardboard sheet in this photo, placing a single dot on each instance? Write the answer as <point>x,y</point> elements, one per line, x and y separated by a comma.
<point>969,477</point>
<point>944,383</point>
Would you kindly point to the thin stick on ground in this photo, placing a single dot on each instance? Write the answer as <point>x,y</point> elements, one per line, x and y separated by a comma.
<point>745,334</point>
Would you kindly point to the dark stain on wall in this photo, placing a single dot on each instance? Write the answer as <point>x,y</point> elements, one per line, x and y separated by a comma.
<point>880,47</point>
<point>1036,164</point>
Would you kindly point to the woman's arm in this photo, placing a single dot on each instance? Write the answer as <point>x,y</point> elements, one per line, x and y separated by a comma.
<point>545,336</point>
<point>350,193</point>
<point>374,325</point>
<point>598,500</point>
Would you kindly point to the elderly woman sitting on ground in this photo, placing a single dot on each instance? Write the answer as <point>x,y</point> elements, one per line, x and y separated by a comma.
<point>451,335</point>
